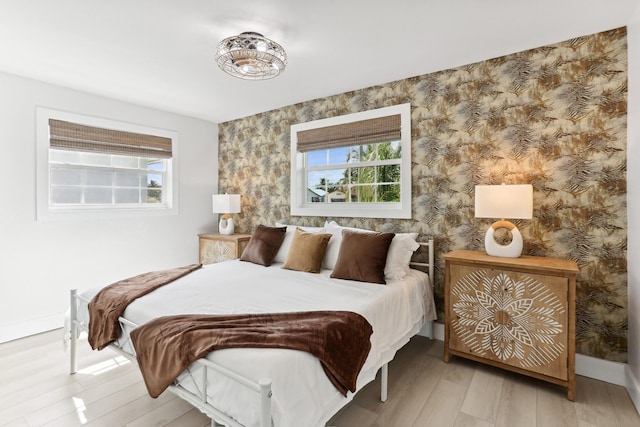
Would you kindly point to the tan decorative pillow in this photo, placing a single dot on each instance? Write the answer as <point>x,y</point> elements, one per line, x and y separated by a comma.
<point>307,251</point>
<point>362,256</point>
<point>263,245</point>
<point>281,256</point>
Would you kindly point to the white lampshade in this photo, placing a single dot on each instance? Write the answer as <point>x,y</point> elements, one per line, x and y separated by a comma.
<point>504,201</point>
<point>226,203</point>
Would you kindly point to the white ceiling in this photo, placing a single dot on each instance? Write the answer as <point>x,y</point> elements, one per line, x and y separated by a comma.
<point>160,53</point>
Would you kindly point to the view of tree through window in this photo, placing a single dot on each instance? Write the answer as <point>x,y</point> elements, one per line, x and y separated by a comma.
<point>359,174</point>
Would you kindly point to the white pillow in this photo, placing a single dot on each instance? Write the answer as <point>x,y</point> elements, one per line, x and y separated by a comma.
<point>333,248</point>
<point>281,256</point>
<point>400,251</point>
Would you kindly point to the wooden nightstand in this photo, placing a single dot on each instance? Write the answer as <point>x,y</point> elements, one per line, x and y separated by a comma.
<point>221,247</point>
<point>513,313</point>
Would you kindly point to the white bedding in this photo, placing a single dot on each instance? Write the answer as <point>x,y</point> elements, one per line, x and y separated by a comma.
<point>302,394</point>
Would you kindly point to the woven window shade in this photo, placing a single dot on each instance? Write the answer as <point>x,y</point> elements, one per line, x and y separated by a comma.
<point>380,129</point>
<point>75,137</point>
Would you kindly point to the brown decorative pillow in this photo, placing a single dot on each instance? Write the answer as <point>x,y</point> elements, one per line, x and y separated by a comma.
<point>263,245</point>
<point>362,256</point>
<point>307,251</point>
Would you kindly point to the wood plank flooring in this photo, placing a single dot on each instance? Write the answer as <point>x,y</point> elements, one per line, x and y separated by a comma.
<point>36,390</point>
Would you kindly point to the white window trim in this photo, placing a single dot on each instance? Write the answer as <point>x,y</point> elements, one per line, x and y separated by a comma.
<point>43,210</point>
<point>299,206</point>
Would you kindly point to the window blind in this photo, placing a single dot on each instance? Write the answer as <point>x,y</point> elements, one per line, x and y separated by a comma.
<point>380,129</point>
<point>65,135</point>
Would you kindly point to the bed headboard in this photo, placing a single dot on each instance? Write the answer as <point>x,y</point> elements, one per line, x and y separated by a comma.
<point>430,260</point>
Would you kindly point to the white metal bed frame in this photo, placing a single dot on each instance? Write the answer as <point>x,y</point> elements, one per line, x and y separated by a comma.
<point>199,367</point>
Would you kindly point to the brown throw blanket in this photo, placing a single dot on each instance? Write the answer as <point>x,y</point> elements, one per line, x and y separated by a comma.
<point>168,345</point>
<point>108,305</point>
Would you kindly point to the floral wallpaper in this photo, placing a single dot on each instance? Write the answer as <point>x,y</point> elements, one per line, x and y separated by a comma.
<point>553,116</point>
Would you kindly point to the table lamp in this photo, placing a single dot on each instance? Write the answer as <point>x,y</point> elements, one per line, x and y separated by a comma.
<point>504,201</point>
<point>226,204</point>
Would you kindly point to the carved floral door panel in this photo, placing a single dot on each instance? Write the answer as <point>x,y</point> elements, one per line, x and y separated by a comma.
<point>217,251</point>
<point>510,317</point>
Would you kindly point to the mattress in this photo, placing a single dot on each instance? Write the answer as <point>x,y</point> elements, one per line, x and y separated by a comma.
<point>302,394</point>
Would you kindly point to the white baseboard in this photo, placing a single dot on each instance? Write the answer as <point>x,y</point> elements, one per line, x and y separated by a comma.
<point>31,327</point>
<point>599,369</point>
<point>437,329</point>
<point>633,387</point>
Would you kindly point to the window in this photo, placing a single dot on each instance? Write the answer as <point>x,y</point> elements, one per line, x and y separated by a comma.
<point>90,166</point>
<point>358,165</point>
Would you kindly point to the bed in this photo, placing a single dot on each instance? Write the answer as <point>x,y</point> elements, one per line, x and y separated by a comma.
<point>273,386</point>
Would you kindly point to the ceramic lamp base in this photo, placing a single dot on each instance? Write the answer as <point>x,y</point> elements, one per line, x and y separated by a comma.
<point>226,226</point>
<point>512,250</point>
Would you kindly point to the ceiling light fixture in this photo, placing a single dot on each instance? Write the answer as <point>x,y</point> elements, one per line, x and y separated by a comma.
<point>251,56</point>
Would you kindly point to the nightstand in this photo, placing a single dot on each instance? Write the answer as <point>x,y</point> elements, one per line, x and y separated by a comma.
<point>220,247</point>
<point>517,314</point>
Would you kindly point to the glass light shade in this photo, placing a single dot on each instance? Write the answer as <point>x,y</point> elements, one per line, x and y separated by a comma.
<point>251,56</point>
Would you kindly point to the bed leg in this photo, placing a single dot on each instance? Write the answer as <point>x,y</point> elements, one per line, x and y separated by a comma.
<point>384,382</point>
<point>265,403</point>
<point>73,332</point>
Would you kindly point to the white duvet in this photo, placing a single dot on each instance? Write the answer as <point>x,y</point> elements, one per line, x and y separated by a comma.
<point>302,394</point>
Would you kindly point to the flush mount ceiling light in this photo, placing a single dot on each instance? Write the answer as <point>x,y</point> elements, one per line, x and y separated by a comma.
<point>251,56</point>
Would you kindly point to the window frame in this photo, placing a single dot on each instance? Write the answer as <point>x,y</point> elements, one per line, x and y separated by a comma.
<point>402,209</point>
<point>45,211</point>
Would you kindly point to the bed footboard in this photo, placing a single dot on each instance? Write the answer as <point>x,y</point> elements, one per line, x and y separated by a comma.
<point>197,373</point>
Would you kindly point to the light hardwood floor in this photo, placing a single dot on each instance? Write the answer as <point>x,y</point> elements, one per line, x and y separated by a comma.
<point>36,390</point>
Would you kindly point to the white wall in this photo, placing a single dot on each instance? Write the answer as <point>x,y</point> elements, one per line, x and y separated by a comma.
<point>41,261</point>
<point>633,209</point>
